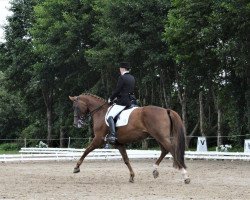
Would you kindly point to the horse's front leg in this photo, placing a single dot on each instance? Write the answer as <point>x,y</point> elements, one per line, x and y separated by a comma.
<point>97,142</point>
<point>124,154</point>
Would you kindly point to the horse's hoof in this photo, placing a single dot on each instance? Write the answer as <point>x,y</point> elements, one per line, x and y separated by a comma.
<point>76,170</point>
<point>131,180</point>
<point>155,173</point>
<point>187,181</point>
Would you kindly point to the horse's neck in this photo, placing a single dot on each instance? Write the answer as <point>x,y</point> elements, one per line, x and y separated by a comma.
<point>99,111</point>
<point>97,107</point>
<point>95,104</point>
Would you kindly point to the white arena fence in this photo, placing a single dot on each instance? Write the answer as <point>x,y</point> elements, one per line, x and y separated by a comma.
<point>66,154</point>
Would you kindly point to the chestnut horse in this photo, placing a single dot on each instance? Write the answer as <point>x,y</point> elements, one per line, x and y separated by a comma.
<point>164,125</point>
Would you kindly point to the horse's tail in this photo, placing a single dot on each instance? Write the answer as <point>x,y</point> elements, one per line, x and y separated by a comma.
<point>178,134</point>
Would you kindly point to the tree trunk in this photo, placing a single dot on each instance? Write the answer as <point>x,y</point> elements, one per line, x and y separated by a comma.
<point>248,107</point>
<point>139,94</point>
<point>145,144</point>
<point>49,126</point>
<point>183,102</point>
<point>63,135</point>
<point>182,97</point>
<point>145,97</point>
<point>152,93</point>
<point>162,79</point>
<point>108,84</point>
<point>219,121</point>
<point>247,96</point>
<point>188,139</point>
<point>219,139</point>
<point>48,99</point>
<point>201,115</point>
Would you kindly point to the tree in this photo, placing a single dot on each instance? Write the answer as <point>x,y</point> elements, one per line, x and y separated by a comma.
<point>126,30</point>
<point>16,57</point>
<point>191,49</point>
<point>61,34</point>
<point>12,112</point>
<point>230,20</point>
<point>204,39</point>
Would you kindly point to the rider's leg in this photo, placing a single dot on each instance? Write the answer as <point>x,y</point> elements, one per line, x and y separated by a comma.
<point>111,138</point>
<point>112,134</point>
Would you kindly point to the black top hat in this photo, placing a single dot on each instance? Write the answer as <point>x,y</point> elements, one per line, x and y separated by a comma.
<point>124,65</point>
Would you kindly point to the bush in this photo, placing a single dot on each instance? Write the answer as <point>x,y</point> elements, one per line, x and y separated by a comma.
<point>9,147</point>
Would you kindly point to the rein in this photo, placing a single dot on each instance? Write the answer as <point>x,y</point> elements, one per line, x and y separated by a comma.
<point>90,114</point>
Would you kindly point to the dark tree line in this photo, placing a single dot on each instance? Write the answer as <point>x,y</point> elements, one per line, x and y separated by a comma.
<point>191,56</point>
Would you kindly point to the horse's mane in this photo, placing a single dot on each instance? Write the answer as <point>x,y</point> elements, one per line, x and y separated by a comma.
<point>95,96</point>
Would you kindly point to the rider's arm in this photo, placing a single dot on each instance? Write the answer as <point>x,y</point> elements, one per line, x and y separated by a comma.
<point>117,89</point>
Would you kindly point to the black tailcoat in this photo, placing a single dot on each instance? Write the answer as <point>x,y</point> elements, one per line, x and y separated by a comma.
<point>124,88</point>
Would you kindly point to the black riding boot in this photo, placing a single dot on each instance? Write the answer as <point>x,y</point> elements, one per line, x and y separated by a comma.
<point>111,138</point>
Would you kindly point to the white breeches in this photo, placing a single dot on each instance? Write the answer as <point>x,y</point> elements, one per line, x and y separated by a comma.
<point>114,110</point>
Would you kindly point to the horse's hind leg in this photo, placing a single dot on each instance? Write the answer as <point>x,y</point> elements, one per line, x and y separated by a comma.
<point>185,175</point>
<point>93,145</point>
<point>166,145</point>
<point>164,152</point>
<point>182,169</point>
<point>124,154</point>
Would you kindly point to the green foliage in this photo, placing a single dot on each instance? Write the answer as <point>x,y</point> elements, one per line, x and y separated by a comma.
<point>126,30</point>
<point>207,40</point>
<point>9,147</point>
<point>12,112</point>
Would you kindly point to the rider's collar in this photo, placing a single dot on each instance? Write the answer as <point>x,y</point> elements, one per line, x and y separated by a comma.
<point>126,72</point>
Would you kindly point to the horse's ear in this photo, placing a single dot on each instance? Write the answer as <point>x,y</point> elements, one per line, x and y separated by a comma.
<point>71,98</point>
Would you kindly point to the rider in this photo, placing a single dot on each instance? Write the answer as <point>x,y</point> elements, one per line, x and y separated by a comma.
<point>123,93</point>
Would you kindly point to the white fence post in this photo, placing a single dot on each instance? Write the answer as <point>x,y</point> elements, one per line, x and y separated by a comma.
<point>247,146</point>
<point>69,143</point>
<point>25,142</point>
<point>201,144</point>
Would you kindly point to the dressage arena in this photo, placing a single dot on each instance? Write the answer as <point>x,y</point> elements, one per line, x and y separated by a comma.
<point>109,179</point>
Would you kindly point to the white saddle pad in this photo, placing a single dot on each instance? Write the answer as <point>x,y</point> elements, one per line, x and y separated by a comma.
<point>122,119</point>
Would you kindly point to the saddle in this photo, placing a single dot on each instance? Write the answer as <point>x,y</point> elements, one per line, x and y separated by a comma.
<point>122,118</point>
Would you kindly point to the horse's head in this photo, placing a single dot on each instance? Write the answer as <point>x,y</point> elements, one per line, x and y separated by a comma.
<point>80,110</point>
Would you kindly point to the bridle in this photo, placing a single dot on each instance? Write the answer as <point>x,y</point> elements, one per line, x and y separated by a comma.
<point>83,119</point>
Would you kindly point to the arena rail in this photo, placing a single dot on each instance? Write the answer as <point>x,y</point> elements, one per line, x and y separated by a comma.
<point>60,154</point>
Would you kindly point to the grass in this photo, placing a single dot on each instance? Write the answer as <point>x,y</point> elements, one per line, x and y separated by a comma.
<point>9,152</point>
<point>9,148</point>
